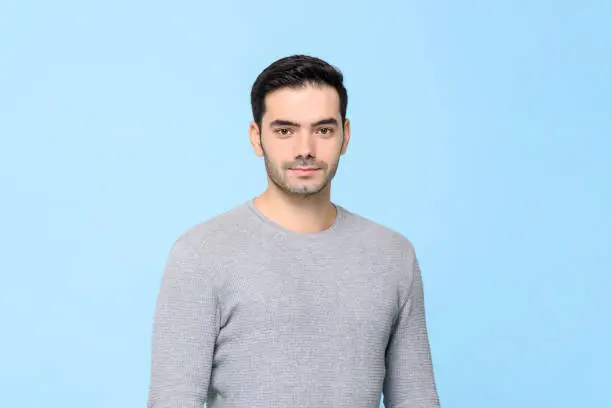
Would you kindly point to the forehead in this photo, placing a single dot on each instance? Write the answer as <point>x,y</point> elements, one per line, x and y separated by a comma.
<point>307,103</point>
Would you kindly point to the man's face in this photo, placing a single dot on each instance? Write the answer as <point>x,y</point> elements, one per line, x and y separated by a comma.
<point>302,138</point>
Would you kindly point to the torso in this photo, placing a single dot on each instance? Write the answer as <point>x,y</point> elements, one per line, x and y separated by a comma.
<point>308,319</point>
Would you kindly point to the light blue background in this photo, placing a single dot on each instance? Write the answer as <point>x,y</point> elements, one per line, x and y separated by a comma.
<point>481,130</point>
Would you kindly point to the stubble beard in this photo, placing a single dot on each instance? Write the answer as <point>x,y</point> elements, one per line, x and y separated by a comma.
<point>277,174</point>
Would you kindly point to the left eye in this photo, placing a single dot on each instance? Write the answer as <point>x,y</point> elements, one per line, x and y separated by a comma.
<point>325,131</point>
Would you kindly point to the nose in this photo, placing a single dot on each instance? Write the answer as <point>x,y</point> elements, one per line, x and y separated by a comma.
<point>305,145</point>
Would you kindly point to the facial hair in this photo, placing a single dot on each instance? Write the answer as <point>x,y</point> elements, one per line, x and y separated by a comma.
<point>277,174</point>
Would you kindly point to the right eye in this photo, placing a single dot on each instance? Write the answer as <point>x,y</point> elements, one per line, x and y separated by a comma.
<point>283,132</point>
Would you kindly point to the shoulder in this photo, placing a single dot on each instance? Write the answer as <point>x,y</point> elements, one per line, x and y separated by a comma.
<point>375,234</point>
<point>392,251</point>
<point>221,229</point>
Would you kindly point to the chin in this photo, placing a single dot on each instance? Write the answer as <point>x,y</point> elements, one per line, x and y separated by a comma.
<point>305,189</point>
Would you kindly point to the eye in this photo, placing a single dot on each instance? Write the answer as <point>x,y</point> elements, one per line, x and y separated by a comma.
<point>283,131</point>
<point>326,131</point>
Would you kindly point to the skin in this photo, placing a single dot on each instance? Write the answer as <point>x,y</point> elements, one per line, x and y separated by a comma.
<point>301,129</point>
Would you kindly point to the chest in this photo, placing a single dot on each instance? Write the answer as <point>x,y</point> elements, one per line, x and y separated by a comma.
<point>304,294</point>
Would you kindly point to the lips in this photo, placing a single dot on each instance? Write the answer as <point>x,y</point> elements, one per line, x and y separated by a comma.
<point>304,170</point>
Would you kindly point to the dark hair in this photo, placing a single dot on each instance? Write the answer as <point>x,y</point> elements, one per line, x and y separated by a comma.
<point>296,71</point>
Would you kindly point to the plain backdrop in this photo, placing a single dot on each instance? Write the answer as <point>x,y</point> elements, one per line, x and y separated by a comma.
<point>481,131</point>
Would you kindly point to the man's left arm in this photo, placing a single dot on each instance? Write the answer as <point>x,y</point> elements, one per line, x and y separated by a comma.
<point>409,380</point>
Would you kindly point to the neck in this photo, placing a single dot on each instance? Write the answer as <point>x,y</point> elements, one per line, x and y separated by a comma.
<point>308,214</point>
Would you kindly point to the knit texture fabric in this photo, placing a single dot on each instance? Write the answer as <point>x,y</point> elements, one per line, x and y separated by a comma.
<point>253,315</point>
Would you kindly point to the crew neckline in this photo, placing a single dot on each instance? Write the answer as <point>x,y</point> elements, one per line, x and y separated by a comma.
<point>340,215</point>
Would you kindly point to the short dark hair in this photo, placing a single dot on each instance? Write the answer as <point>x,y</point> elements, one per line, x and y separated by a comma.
<point>293,72</point>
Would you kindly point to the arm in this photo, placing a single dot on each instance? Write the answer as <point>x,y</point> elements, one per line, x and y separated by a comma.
<point>409,380</point>
<point>185,329</point>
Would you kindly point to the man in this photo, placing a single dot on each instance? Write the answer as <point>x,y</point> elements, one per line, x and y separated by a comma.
<point>289,300</point>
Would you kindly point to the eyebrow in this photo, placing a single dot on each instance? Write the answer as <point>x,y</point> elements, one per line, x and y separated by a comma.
<point>281,122</point>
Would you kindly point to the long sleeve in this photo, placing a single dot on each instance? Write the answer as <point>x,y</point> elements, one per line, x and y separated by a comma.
<point>185,328</point>
<point>409,380</point>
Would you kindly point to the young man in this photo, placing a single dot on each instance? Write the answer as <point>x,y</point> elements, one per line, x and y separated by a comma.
<point>289,300</point>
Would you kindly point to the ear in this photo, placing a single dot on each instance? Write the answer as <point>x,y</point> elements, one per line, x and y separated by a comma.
<point>346,136</point>
<point>255,137</point>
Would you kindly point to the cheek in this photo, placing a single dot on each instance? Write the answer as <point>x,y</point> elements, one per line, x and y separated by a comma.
<point>330,152</point>
<point>274,152</point>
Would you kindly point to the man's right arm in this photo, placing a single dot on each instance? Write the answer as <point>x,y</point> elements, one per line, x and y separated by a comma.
<point>185,329</point>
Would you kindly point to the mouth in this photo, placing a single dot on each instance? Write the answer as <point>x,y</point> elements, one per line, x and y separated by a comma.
<point>304,170</point>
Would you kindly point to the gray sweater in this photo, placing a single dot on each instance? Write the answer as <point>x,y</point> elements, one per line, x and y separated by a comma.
<point>250,314</point>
